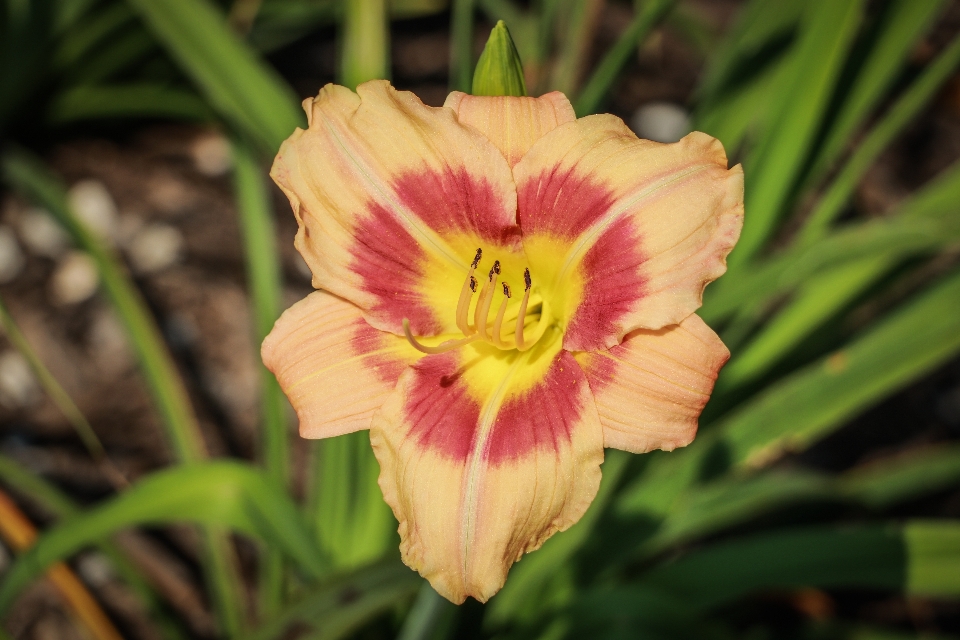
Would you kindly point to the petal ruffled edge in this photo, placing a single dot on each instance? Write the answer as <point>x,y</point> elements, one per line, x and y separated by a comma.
<point>633,229</point>
<point>651,388</point>
<point>476,484</point>
<point>335,369</point>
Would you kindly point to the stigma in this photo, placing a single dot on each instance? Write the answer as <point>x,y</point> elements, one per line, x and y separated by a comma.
<point>481,329</point>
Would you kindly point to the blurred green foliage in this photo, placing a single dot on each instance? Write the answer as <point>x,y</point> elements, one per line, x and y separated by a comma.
<point>805,93</point>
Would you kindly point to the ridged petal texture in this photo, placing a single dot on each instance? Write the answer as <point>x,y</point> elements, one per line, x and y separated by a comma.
<point>486,449</point>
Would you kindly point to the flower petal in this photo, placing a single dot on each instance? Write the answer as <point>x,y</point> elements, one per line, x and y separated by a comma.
<point>335,368</point>
<point>512,123</point>
<point>651,388</point>
<point>483,457</point>
<point>393,198</point>
<point>631,230</point>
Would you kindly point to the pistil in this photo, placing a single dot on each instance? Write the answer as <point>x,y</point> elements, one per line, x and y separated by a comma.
<point>498,323</point>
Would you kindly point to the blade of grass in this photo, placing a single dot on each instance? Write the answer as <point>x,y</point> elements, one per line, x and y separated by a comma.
<point>828,30</point>
<point>933,550</point>
<point>595,90</point>
<point>427,615</point>
<point>343,603</point>
<point>900,115</point>
<point>134,100</point>
<point>265,284</point>
<point>461,45</point>
<point>18,532</point>
<point>810,403</point>
<point>49,498</point>
<point>903,22</point>
<point>219,494</point>
<point>578,22</point>
<point>365,45</point>
<point>926,222</point>
<point>163,381</point>
<point>239,85</point>
<point>886,482</point>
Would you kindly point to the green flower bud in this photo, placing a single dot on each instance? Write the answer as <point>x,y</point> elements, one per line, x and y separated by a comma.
<point>499,71</point>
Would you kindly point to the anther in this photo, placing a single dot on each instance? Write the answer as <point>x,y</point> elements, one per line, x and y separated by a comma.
<point>495,269</point>
<point>498,322</point>
<point>522,312</point>
<point>466,293</point>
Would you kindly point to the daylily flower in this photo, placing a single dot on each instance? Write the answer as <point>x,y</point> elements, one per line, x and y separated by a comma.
<point>503,291</point>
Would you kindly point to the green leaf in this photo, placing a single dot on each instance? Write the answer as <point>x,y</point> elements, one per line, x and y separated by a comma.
<point>461,45</point>
<point>499,71</point>
<point>801,98</point>
<point>221,494</point>
<point>808,404</point>
<point>902,23</point>
<point>265,285</point>
<point>134,100</point>
<point>889,481</point>
<point>239,85</point>
<point>339,606</point>
<point>933,552</point>
<point>924,223</point>
<point>594,92</point>
<point>352,522</point>
<point>900,115</point>
<point>365,52</point>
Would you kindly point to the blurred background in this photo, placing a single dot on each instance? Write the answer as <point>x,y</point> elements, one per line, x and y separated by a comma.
<point>151,466</point>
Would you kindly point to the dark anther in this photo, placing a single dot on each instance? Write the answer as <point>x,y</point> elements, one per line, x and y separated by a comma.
<point>496,267</point>
<point>526,279</point>
<point>506,289</point>
<point>473,284</point>
<point>476,259</point>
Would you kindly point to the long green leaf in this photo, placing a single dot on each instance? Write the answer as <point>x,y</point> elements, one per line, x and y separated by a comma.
<point>265,282</point>
<point>813,401</point>
<point>365,47</point>
<point>902,113</point>
<point>594,92</point>
<point>828,29</point>
<point>220,494</point>
<point>342,604</point>
<point>238,84</point>
<point>165,385</point>
<point>135,100</point>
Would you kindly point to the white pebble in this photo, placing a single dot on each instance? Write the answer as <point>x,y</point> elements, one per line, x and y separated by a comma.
<point>211,155</point>
<point>95,207</point>
<point>11,257</point>
<point>42,234</point>
<point>95,568</point>
<point>18,386</point>
<point>660,121</point>
<point>75,279</point>
<point>155,247</point>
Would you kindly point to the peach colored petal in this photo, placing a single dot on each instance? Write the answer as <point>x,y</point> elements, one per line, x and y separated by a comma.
<point>479,474</point>
<point>631,230</point>
<point>651,389</point>
<point>335,368</point>
<point>393,198</point>
<point>513,124</point>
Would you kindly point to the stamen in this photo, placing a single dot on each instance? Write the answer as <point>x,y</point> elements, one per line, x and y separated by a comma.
<point>522,313</point>
<point>486,298</point>
<point>466,293</point>
<point>498,323</point>
<point>443,347</point>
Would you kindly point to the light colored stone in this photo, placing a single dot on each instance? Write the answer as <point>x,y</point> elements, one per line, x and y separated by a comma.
<point>95,569</point>
<point>95,207</point>
<point>18,386</point>
<point>211,154</point>
<point>155,247</point>
<point>74,280</point>
<point>11,256</point>
<point>42,235</point>
<point>660,121</point>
